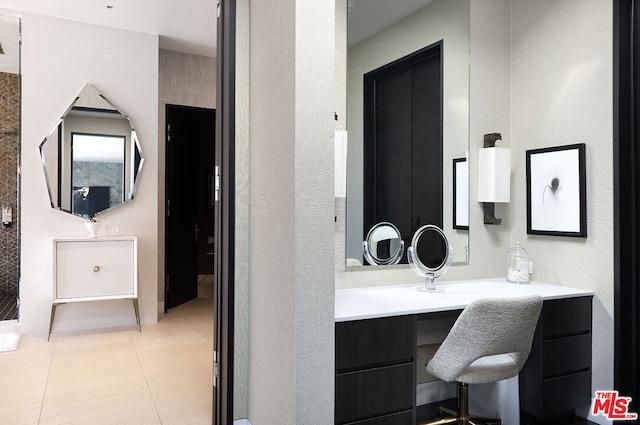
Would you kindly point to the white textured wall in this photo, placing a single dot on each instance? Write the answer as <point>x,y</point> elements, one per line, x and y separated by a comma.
<point>188,80</point>
<point>58,58</point>
<point>291,240</point>
<point>562,93</point>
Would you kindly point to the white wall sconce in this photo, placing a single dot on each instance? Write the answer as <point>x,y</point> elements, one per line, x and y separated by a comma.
<point>7,216</point>
<point>340,164</point>
<point>494,176</point>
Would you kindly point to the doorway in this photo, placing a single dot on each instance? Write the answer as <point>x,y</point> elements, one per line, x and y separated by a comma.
<point>189,201</point>
<point>9,165</point>
<point>403,143</point>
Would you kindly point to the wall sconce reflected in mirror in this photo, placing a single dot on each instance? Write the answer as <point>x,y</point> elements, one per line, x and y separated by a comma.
<point>340,164</point>
<point>494,176</point>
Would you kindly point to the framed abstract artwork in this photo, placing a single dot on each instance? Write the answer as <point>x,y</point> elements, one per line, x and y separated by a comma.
<point>460,194</point>
<point>556,191</point>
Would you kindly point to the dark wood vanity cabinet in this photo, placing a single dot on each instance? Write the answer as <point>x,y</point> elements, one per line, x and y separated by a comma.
<point>557,376</point>
<point>375,371</point>
<point>376,367</point>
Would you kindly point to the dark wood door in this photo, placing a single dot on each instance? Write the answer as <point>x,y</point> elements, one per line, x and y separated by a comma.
<point>403,143</point>
<point>189,154</point>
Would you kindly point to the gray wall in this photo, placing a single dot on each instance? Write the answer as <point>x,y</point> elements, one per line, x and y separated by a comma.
<point>290,200</point>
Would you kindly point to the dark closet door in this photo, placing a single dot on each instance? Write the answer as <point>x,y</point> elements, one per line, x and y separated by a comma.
<point>403,143</point>
<point>186,187</point>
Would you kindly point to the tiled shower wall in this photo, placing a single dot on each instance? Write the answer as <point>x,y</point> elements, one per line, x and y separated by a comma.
<point>9,132</point>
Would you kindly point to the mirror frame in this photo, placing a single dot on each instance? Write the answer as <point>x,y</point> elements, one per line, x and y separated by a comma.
<point>394,258</point>
<point>421,269</point>
<point>136,159</point>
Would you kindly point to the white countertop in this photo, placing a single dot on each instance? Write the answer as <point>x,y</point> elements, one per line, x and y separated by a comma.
<point>398,300</point>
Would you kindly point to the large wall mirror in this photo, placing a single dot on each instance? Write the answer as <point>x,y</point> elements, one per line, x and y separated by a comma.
<point>407,118</point>
<point>91,157</point>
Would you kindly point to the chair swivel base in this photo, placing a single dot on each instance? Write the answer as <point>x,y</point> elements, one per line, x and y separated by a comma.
<point>462,416</point>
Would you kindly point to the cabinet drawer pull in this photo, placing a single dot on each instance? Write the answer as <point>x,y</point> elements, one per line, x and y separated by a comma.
<point>96,269</point>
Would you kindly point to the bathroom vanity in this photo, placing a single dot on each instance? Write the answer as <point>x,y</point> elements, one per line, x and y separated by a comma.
<point>376,363</point>
<point>95,269</point>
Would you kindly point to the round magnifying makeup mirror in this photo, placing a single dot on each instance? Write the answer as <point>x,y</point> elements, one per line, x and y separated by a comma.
<point>429,255</point>
<point>384,245</point>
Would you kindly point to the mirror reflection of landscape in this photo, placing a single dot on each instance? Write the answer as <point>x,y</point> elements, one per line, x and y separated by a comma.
<point>423,24</point>
<point>91,157</point>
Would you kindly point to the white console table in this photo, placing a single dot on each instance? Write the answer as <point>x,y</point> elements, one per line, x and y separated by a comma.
<point>95,269</point>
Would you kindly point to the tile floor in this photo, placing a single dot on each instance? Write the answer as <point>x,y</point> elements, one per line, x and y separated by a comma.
<point>160,376</point>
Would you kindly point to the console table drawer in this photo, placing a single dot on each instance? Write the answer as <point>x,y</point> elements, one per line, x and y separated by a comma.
<point>374,392</point>
<point>374,342</point>
<point>86,269</point>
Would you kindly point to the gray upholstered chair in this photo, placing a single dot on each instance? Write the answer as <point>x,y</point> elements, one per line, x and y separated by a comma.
<point>490,341</point>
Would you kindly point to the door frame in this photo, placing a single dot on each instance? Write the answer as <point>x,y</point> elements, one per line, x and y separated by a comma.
<point>170,108</point>
<point>224,258</point>
<point>626,169</point>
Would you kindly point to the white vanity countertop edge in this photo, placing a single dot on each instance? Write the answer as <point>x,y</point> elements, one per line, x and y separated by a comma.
<point>397,300</point>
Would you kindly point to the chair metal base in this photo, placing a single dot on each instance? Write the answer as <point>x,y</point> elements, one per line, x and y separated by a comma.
<point>462,416</point>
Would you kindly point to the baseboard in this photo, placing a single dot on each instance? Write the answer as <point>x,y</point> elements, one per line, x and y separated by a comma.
<point>244,421</point>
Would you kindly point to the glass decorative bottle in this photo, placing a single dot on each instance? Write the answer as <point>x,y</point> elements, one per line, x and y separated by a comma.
<point>518,271</point>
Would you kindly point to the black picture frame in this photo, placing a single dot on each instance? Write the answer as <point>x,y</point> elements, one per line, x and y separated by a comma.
<point>557,191</point>
<point>460,196</point>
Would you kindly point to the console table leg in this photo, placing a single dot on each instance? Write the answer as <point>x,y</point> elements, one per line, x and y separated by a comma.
<point>53,314</point>
<point>137,310</point>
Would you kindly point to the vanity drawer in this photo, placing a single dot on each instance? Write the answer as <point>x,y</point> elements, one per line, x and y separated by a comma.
<point>89,269</point>
<point>566,355</point>
<point>374,392</point>
<point>374,342</point>
<point>567,316</point>
<point>402,418</point>
<point>564,394</point>
<point>556,379</point>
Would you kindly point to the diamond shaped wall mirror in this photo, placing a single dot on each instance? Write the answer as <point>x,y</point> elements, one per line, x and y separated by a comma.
<point>91,157</point>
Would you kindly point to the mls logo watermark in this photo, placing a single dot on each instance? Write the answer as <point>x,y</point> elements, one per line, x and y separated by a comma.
<point>612,406</point>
